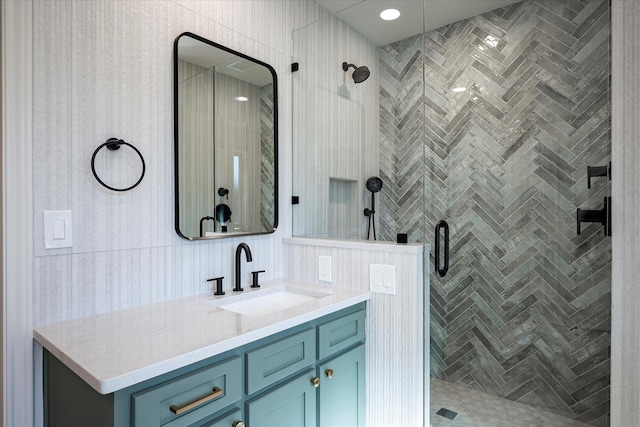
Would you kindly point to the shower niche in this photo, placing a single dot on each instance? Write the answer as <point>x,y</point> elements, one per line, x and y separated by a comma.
<point>343,207</point>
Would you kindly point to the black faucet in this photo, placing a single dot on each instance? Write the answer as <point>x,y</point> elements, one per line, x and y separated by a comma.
<point>247,252</point>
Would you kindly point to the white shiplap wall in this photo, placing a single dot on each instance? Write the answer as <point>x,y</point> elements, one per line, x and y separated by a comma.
<point>397,325</point>
<point>104,69</point>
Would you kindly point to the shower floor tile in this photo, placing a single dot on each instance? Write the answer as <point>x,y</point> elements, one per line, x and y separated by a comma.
<point>476,409</point>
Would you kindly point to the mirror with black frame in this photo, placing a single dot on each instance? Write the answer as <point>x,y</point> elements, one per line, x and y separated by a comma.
<point>226,141</point>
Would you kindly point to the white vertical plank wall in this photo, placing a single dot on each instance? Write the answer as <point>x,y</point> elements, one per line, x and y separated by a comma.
<point>396,336</point>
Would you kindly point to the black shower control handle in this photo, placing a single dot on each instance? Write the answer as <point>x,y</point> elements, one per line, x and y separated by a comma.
<point>600,216</point>
<point>595,171</point>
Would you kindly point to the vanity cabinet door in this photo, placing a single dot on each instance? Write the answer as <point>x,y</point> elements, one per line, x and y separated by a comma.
<point>342,390</point>
<point>291,404</point>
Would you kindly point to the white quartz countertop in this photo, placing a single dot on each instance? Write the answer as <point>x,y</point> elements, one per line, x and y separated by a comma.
<point>116,350</point>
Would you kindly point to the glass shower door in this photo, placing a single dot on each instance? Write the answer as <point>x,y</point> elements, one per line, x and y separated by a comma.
<point>516,110</point>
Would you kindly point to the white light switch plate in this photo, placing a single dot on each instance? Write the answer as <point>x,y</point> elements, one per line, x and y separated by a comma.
<point>382,278</point>
<point>57,229</point>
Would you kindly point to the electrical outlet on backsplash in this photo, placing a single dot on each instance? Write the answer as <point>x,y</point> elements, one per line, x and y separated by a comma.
<point>324,268</point>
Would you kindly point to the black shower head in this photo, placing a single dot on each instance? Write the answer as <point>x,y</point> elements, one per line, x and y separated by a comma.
<point>360,74</point>
<point>374,184</point>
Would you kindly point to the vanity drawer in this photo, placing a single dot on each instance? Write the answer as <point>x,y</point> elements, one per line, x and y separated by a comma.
<point>338,334</point>
<point>190,397</point>
<point>277,360</point>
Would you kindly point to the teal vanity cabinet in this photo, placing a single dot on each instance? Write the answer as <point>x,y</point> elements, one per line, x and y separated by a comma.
<point>330,394</point>
<point>309,375</point>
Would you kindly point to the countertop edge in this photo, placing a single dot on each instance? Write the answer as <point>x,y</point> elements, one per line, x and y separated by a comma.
<point>110,385</point>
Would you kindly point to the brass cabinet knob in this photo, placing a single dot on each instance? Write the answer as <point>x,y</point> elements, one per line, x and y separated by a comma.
<point>315,381</point>
<point>328,373</point>
<point>237,424</point>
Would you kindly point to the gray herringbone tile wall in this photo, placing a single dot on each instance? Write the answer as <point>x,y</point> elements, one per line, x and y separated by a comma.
<point>524,312</point>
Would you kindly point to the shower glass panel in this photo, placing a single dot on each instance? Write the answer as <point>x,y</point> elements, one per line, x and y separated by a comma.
<point>335,129</point>
<point>488,123</point>
<point>516,107</point>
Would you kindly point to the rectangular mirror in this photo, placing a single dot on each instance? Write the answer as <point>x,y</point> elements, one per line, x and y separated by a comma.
<point>226,141</point>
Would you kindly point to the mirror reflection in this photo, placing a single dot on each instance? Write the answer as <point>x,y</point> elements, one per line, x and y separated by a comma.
<point>225,141</point>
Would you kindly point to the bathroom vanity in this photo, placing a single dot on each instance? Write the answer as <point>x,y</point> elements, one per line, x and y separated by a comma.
<point>202,361</point>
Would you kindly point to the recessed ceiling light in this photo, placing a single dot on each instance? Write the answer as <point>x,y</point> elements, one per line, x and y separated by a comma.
<point>389,14</point>
<point>459,89</point>
<point>241,98</point>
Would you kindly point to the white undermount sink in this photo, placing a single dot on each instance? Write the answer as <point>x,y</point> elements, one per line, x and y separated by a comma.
<point>268,300</point>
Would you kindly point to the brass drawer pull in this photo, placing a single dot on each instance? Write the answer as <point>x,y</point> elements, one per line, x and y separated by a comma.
<point>179,410</point>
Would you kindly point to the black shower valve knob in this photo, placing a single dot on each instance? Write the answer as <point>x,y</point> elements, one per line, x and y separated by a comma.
<point>595,171</point>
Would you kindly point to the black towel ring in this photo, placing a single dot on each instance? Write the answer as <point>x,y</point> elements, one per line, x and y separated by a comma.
<point>114,144</point>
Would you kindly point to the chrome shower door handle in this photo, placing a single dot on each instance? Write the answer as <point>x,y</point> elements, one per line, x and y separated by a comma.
<point>442,271</point>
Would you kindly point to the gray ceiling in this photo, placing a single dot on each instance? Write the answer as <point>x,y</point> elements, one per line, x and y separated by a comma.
<point>363,15</point>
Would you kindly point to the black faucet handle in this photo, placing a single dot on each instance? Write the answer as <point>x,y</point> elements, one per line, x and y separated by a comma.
<point>254,278</point>
<point>218,281</point>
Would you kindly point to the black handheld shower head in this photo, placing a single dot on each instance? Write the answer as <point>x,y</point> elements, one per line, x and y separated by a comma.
<point>374,184</point>
<point>360,74</point>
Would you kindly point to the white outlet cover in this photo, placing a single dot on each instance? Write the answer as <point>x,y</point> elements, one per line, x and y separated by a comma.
<point>324,268</point>
<point>382,278</point>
